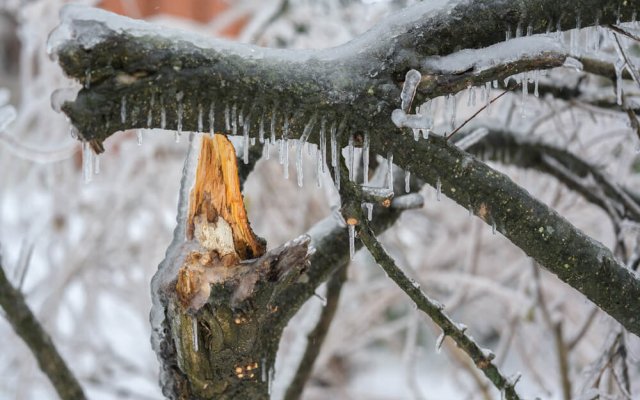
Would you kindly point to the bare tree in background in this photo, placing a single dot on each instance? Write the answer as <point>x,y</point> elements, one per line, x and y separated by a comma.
<point>422,98</point>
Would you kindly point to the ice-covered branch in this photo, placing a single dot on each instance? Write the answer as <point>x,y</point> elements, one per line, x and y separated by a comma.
<point>137,75</point>
<point>29,329</point>
<point>573,171</point>
<point>481,357</point>
<point>580,261</point>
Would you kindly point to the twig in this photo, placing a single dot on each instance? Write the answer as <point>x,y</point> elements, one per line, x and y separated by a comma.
<point>29,329</point>
<point>478,112</point>
<point>624,32</point>
<point>480,357</point>
<point>316,337</point>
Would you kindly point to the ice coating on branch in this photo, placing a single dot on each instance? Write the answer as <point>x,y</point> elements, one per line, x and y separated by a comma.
<point>571,62</point>
<point>474,137</point>
<point>414,121</point>
<point>168,268</point>
<point>501,53</point>
<point>411,82</point>
<point>61,96</point>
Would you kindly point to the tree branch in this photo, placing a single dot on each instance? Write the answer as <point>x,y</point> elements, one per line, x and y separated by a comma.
<point>482,358</point>
<point>26,326</point>
<point>316,337</point>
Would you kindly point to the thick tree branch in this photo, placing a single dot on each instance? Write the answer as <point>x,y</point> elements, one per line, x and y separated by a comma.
<point>29,329</point>
<point>151,70</point>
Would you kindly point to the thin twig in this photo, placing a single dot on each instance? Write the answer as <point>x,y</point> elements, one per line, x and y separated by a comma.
<point>624,32</point>
<point>316,337</point>
<point>482,358</point>
<point>478,112</point>
<point>29,329</point>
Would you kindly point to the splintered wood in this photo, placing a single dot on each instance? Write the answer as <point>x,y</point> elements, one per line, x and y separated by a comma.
<point>217,221</point>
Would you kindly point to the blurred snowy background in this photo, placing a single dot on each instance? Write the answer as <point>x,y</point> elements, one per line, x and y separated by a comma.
<point>84,254</point>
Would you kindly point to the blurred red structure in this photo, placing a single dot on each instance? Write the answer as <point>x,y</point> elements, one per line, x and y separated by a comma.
<point>201,11</point>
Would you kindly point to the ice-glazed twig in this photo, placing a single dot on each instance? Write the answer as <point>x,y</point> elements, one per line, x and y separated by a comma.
<point>481,357</point>
<point>26,326</point>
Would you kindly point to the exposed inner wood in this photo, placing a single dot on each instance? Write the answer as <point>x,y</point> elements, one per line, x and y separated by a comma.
<point>218,221</point>
<point>216,194</point>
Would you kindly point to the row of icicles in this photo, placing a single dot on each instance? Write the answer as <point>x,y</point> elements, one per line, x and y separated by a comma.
<point>421,123</point>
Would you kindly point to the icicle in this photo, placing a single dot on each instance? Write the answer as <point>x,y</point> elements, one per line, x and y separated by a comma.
<point>261,129</point>
<point>365,159</point>
<point>286,158</point>
<point>240,117</point>
<point>150,112</point>
<point>227,119</point>
<point>619,67</point>
<point>451,107</point>
<point>273,126</point>
<point>179,97</point>
<point>123,109</point>
<point>536,78</point>
<point>529,30</point>
<point>495,83</point>
<point>163,114</point>
<point>411,82</point>
<point>336,171</point>
<point>471,99</point>
<point>234,120</point>
<point>281,151</point>
<point>308,128</point>
<point>351,158</point>
<point>525,93</point>
<point>96,164</point>
<point>267,150</point>
<point>212,118</point>
<point>323,143</point>
<point>334,146</point>
<point>200,123</point>
<point>519,30</point>
<point>507,35</point>
<point>270,383</point>
<point>369,207</point>
<point>352,241</point>
<point>407,181</point>
<point>194,333</point>
<point>87,162</point>
<point>438,189</point>
<point>139,136</point>
<point>87,78</point>
<point>390,171</point>
<point>319,166</point>
<point>439,342</point>
<point>245,142</point>
<point>493,227</point>
<point>573,38</point>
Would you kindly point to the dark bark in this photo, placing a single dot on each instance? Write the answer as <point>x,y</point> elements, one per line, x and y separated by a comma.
<point>164,81</point>
<point>26,325</point>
